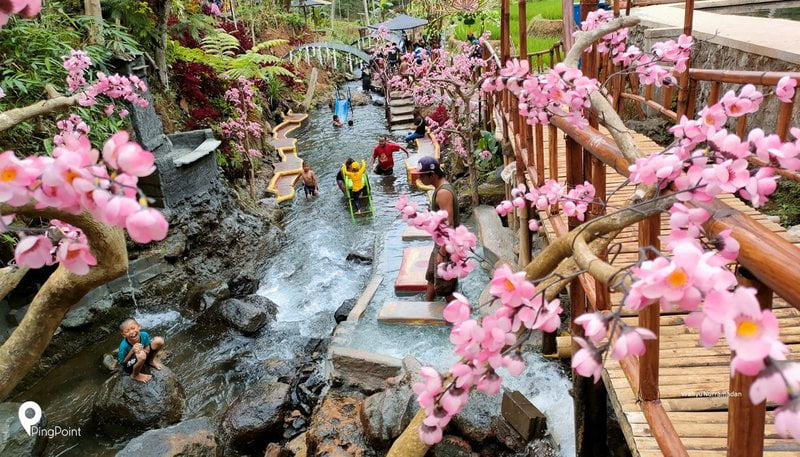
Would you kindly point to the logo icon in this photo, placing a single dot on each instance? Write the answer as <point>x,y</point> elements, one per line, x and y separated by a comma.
<point>26,421</point>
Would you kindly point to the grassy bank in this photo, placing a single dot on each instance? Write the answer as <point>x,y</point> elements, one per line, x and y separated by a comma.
<point>544,9</point>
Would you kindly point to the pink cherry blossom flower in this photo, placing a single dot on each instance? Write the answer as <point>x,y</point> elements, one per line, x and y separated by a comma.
<point>752,331</point>
<point>631,342</point>
<point>595,326</point>
<point>76,257</point>
<point>430,435</point>
<point>533,225</point>
<point>511,288</point>
<point>458,310</point>
<point>760,186</point>
<point>727,245</point>
<point>787,419</point>
<point>587,361</point>
<point>771,384</point>
<point>146,225</point>
<point>785,89</point>
<point>34,251</point>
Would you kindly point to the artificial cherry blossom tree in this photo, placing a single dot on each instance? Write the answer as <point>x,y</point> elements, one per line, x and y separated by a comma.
<point>88,196</point>
<point>692,273</point>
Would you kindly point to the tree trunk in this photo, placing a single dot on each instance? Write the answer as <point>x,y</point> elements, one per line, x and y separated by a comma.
<point>93,9</point>
<point>162,9</point>
<point>59,293</point>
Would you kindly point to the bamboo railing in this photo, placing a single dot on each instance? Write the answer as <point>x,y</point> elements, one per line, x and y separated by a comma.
<point>763,257</point>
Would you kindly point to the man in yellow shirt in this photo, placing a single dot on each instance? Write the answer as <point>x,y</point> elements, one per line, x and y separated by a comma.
<point>356,174</point>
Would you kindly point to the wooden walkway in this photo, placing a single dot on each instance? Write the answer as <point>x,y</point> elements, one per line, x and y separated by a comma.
<point>289,169</point>
<point>694,381</point>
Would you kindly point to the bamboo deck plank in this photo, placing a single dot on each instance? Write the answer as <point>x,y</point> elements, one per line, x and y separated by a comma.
<point>693,380</point>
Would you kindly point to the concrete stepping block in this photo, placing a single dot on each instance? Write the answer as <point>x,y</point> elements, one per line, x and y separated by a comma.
<point>415,234</point>
<point>412,312</point>
<point>411,277</point>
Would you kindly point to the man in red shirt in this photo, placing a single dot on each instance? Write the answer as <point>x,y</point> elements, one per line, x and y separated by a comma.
<point>383,152</point>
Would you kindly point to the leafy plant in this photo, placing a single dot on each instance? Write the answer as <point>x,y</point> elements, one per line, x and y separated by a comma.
<point>487,142</point>
<point>219,51</point>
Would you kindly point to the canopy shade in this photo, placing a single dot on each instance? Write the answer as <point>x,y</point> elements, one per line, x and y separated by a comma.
<point>309,3</point>
<point>401,22</point>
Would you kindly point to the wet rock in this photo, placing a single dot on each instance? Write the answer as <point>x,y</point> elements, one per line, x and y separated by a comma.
<point>506,435</point>
<point>336,430</point>
<point>474,420</point>
<point>174,246</point>
<point>271,210</point>
<point>243,284</point>
<point>363,370</point>
<point>344,310</point>
<point>452,446</point>
<point>256,417</point>
<point>14,440</point>
<point>78,317</point>
<point>18,314</point>
<point>492,192</point>
<point>125,401</point>
<point>297,446</point>
<point>358,257</point>
<point>247,314</point>
<point>192,438</point>
<point>110,362</point>
<point>281,370</point>
<point>275,450</point>
<point>386,414</point>
<point>206,294</point>
<point>378,102</point>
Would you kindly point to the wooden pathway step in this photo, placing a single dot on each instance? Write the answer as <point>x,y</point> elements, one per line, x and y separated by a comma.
<point>412,312</point>
<point>411,277</point>
<point>288,171</point>
<point>693,381</point>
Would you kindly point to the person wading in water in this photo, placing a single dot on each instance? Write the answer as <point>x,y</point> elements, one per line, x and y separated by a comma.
<point>444,198</point>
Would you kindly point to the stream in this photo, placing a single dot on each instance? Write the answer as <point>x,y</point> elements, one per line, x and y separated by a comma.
<point>308,278</point>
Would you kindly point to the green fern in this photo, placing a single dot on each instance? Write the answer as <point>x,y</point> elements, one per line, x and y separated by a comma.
<point>219,52</point>
<point>220,44</point>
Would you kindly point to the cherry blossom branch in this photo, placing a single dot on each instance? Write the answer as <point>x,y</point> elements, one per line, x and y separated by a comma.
<point>12,117</point>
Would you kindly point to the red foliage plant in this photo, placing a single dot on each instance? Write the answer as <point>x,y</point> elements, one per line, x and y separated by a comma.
<point>440,116</point>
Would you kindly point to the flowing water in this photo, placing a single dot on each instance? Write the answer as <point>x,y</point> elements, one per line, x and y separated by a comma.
<point>308,279</point>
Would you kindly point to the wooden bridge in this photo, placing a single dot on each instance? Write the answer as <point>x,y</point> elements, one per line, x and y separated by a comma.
<point>679,398</point>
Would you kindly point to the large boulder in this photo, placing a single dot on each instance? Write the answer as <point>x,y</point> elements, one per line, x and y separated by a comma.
<point>257,416</point>
<point>125,401</point>
<point>336,430</point>
<point>14,440</point>
<point>475,420</point>
<point>386,414</point>
<point>192,438</point>
<point>247,314</point>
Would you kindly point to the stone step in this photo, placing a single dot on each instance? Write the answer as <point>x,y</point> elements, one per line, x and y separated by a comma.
<point>411,277</point>
<point>402,118</point>
<point>415,234</point>
<point>399,127</point>
<point>401,101</point>
<point>403,109</point>
<point>497,241</point>
<point>412,312</point>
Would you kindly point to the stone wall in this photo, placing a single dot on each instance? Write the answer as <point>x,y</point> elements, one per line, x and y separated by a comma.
<point>186,162</point>
<point>709,55</point>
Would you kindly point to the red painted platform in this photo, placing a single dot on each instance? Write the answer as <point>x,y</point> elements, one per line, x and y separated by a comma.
<point>411,278</point>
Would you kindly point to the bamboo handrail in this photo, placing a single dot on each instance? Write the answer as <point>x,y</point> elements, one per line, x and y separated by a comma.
<point>762,251</point>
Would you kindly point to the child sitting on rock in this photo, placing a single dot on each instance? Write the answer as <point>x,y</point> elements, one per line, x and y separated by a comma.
<point>136,349</point>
